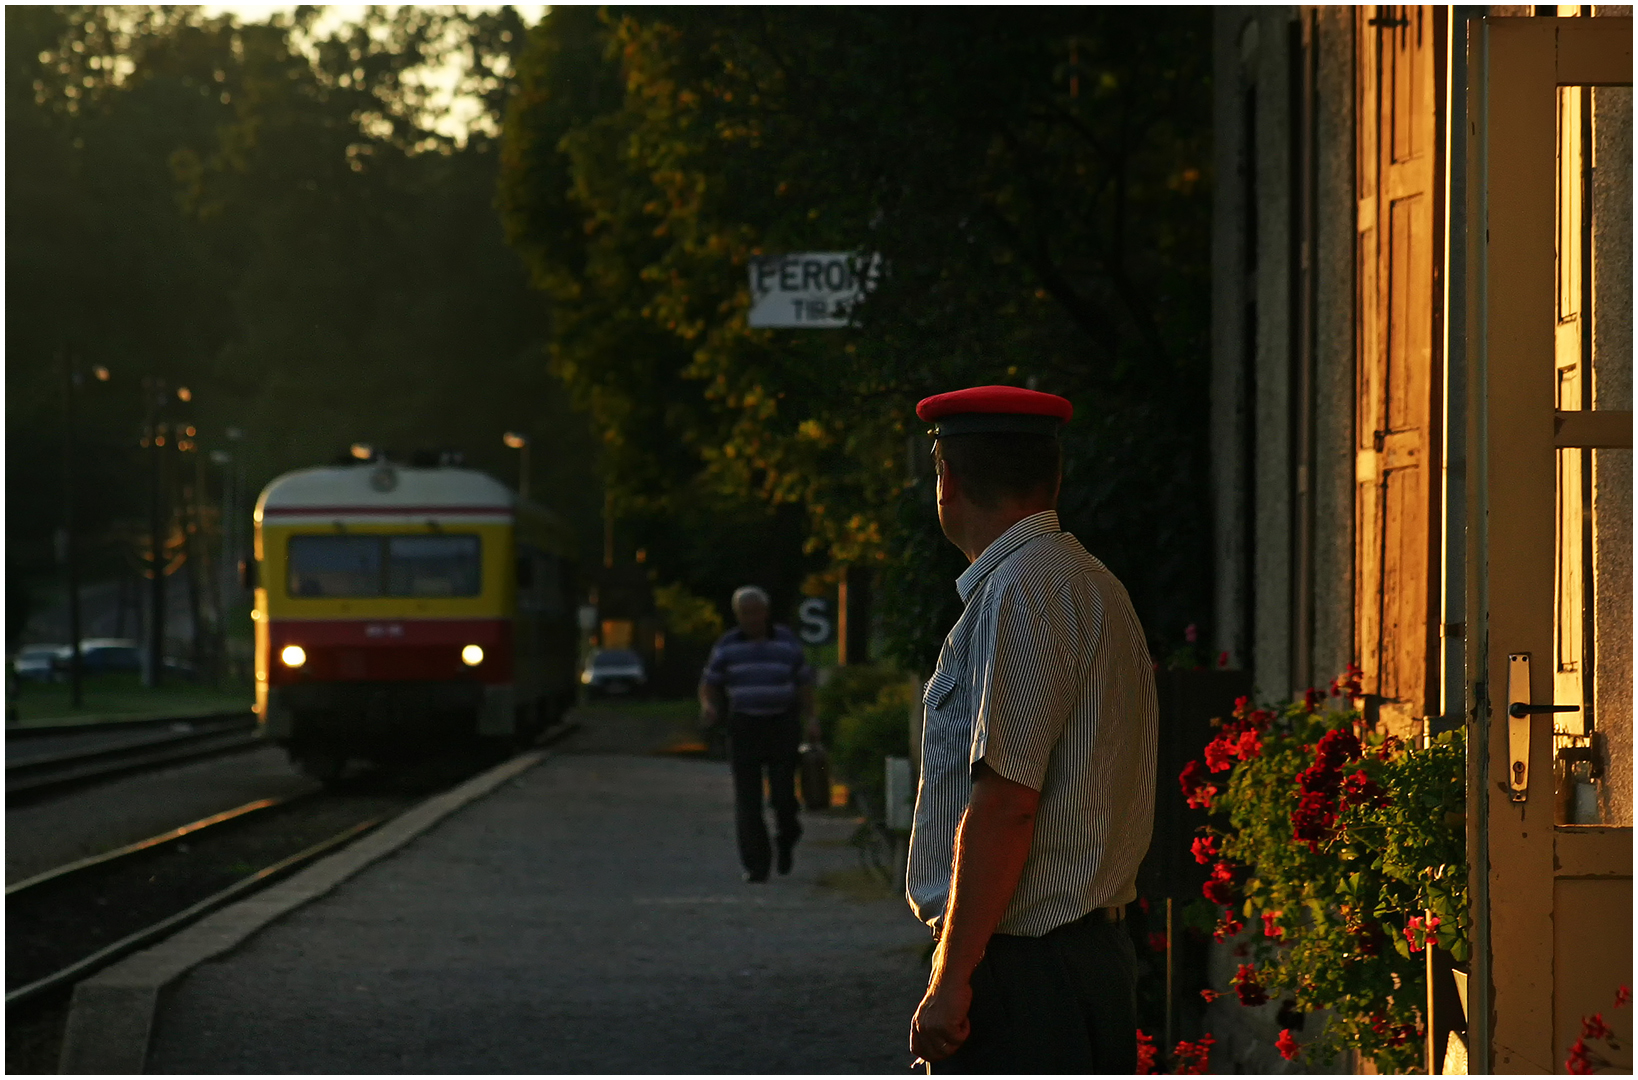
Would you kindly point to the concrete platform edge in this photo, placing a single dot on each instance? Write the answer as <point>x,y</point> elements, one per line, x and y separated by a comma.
<point>111,1016</point>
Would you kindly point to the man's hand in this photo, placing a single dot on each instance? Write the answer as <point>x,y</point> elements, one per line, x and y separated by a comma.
<point>940,1024</point>
<point>992,845</point>
<point>708,714</point>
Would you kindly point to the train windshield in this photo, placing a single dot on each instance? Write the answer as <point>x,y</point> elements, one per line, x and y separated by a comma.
<point>355,566</point>
<point>432,565</point>
<point>335,566</point>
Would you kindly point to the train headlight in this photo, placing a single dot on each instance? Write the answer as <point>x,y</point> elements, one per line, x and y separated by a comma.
<point>472,655</point>
<point>293,655</point>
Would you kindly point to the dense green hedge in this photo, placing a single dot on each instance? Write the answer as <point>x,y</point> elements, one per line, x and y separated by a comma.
<point>864,715</point>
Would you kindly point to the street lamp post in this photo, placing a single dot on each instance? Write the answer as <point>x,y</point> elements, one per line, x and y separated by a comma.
<point>520,443</point>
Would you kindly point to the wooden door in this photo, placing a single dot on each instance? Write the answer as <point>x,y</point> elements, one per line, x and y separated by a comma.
<point>1397,450</point>
<point>1551,901</point>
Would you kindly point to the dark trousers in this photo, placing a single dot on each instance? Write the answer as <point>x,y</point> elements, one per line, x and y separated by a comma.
<point>1065,1002</point>
<point>756,743</point>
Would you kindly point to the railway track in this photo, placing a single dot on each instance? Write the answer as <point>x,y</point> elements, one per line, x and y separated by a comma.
<point>66,924</point>
<point>43,760</point>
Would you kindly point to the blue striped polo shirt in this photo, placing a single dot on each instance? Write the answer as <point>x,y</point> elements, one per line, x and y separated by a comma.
<point>759,676</point>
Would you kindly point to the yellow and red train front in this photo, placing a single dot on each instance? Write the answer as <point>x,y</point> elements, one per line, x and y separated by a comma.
<point>407,610</point>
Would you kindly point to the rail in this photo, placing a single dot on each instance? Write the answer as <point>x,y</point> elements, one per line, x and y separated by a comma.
<point>39,759</point>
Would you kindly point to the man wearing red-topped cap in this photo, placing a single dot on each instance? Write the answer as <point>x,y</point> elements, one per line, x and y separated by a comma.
<point>1038,758</point>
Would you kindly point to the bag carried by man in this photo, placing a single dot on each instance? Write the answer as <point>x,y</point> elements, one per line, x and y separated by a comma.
<point>815,776</point>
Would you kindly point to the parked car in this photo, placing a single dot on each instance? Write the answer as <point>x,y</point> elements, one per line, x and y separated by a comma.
<point>613,671</point>
<point>38,663</point>
<point>103,656</point>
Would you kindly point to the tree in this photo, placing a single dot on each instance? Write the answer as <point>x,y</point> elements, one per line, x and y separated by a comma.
<point>286,222</point>
<point>1033,179</point>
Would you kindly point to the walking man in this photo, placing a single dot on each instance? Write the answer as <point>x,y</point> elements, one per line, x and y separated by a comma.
<point>769,687</point>
<point>1038,758</point>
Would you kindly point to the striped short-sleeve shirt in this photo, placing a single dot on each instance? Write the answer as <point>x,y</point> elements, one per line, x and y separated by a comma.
<point>1047,679</point>
<point>760,675</point>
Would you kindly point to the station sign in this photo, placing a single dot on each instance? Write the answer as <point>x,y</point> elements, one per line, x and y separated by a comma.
<point>818,621</point>
<point>809,290</point>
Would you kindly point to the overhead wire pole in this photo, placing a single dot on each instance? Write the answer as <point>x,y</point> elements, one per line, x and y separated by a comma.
<point>71,566</point>
<point>154,440</point>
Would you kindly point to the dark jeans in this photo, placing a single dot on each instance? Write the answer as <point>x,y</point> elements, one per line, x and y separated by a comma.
<point>756,743</point>
<point>1065,1002</point>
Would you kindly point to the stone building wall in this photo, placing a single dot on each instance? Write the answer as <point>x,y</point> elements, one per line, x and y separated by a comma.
<point>1612,469</point>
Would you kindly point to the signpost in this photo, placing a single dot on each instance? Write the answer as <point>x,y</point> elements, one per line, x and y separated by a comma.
<point>809,290</point>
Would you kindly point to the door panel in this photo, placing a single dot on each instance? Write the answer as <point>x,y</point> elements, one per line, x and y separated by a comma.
<point>1400,154</point>
<point>1551,902</point>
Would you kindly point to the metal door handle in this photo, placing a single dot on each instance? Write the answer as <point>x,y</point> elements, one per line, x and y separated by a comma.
<point>1518,726</point>
<point>1520,709</point>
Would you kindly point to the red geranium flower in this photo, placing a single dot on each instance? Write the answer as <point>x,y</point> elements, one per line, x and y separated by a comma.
<point>1312,700</point>
<point>1360,789</point>
<point>1593,1027</point>
<point>1313,818</point>
<point>1348,684</point>
<point>1145,1053</point>
<point>1319,777</point>
<point>1205,849</point>
<point>1623,996</point>
<point>1285,1044</point>
<point>1270,927</point>
<point>1157,941</point>
<point>1227,926</point>
<point>1242,707</point>
<point>1221,752</point>
<point>1210,995</point>
<point>1578,1063</point>
<point>1336,748</point>
<point>1250,744</point>
<point>1219,888</point>
<point>1249,990</point>
<point>1196,790</point>
<point>1192,1057</point>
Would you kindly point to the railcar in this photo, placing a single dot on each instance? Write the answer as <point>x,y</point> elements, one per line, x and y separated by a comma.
<point>400,610</point>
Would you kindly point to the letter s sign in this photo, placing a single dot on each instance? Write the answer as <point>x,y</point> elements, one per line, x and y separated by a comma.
<point>816,622</point>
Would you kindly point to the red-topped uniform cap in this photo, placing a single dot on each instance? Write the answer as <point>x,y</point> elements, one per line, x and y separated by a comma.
<point>996,409</point>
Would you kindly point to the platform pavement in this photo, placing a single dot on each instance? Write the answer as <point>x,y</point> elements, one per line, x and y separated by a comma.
<point>586,917</point>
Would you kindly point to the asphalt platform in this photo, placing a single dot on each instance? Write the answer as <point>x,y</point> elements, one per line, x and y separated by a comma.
<point>588,916</point>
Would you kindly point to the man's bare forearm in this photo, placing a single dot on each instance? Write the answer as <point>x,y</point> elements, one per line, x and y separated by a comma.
<point>992,846</point>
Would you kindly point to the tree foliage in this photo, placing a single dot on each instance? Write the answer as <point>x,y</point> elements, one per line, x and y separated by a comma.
<point>1033,179</point>
<point>291,221</point>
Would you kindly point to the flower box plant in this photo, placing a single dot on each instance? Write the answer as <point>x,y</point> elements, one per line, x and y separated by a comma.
<point>1342,848</point>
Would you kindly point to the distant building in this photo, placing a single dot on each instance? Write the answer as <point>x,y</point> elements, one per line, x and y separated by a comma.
<point>1422,394</point>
